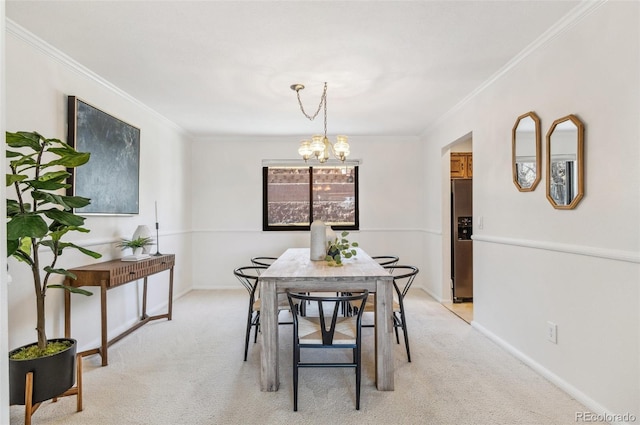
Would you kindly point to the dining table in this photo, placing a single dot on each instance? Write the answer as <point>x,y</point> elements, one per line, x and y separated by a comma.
<point>295,271</point>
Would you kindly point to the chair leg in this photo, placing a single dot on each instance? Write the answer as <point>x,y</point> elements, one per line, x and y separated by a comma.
<point>256,323</point>
<point>296,360</point>
<point>406,335</point>
<point>396,324</point>
<point>248,334</point>
<point>358,377</point>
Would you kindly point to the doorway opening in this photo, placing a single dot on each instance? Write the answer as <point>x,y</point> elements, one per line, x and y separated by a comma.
<point>458,229</point>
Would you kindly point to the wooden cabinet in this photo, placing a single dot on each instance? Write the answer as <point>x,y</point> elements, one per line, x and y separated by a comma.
<point>461,165</point>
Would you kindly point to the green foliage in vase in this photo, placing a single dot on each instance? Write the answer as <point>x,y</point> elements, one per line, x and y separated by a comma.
<point>38,216</point>
<point>340,248</point>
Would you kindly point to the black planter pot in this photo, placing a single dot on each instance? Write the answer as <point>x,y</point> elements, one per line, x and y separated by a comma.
<point>52,375</point>
<point>333,252</point>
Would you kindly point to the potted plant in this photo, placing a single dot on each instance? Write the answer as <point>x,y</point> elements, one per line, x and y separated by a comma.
<point>136,244</point>
<point>38,217</point>
<point>340,248</point>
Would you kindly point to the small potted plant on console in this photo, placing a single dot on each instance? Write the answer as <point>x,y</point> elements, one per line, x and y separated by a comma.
<point>136,245</point>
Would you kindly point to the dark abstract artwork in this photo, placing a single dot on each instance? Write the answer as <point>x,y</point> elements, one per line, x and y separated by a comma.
<point>111,177</point>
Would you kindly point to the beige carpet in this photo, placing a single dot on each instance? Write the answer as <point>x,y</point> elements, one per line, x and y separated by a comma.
<point>190,371</point>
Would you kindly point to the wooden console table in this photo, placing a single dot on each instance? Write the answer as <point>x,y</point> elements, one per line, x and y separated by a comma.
<point>111,274</point>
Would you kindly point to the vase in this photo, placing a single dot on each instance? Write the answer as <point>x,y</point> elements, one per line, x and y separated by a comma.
<point>142,231</point>
<point>318,245</point>
<point>331,235</point>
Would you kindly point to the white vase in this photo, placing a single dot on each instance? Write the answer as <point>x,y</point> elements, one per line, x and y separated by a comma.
<point>318,246</point>
<point>330,235</point>
<point>142,231</point>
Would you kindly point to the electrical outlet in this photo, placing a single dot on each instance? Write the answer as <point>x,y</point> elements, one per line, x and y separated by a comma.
<point>552,332</point>
<point>480,222</point>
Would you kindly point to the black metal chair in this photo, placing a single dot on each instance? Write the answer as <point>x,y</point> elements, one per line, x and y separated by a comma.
<point>403,277</point>
<point>386,260</point>
<point>266,262</point>
<point>383,260</point>
<point>263,261</point>
<point>327,331</point>
<point>248,277</point>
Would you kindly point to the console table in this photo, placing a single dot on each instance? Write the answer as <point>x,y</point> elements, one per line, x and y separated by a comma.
<point>111,274</point>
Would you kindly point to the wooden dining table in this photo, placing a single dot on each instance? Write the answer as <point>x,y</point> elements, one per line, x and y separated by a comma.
<point>294,270</point>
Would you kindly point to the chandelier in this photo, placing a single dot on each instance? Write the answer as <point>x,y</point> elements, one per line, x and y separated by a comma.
<point>320,146</point>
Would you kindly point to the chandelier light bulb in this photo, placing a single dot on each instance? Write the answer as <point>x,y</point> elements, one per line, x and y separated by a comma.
<point>317,145</point>
<point>341,146</point>
<point>305,150</point>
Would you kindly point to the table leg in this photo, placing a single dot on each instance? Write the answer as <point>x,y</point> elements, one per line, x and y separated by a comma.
<point>269,373</point>
<point>144,299</point>
<point>170,307</point>
<point>103,322</point>
<point>384,335</point>
<point>67,314</point>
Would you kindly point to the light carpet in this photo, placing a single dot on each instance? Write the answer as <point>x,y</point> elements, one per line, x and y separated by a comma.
<point>190,371</point>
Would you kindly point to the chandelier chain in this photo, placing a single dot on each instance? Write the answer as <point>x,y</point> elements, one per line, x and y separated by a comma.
<point>325,110</point>
<point>323,101</point>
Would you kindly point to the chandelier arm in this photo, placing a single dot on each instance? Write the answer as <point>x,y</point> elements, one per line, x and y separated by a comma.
<point>333,152</point>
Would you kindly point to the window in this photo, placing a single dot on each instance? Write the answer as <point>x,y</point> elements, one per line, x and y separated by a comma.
<point>294,196</point>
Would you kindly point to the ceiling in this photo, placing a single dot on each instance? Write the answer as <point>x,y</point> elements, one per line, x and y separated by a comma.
<point>224,68</point>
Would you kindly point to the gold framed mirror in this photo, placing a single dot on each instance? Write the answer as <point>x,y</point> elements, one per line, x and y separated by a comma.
<point>565,162</point>
<point>525,148</point>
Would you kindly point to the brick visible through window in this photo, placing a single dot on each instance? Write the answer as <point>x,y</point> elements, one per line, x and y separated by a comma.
<point>295,196</point>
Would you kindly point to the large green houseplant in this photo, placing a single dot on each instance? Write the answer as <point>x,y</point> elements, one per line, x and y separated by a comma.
<point>39,215</point>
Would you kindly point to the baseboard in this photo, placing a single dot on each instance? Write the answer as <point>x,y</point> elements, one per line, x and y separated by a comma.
<point>581,397</point>
<point>432,294</point>
<point>215,288</point>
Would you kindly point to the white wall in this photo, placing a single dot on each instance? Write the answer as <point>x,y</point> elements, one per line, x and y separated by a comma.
<point>577,268</point>
<point>4,324</point>
<point>40,79</point>
<point>227,206</point>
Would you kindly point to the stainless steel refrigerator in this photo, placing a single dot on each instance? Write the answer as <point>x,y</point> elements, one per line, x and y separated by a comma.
<point>461,243</point>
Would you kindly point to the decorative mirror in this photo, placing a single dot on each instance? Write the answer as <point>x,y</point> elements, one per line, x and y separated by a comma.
<point>565,165</point>
<point>526,152</point>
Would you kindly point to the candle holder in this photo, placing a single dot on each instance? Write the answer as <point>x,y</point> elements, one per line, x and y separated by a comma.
<point>157,254</point>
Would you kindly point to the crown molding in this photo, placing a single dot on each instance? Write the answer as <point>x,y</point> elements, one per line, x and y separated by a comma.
<point>12,28</point>
<point>568,21</point>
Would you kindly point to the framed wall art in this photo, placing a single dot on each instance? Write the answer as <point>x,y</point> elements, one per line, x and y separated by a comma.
<point>111,177</point>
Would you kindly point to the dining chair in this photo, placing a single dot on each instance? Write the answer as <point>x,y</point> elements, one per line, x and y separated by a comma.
<point>266,262</point>
<point>386,260</point>
<point>383,260</point>
<point>263,261</point>
<point>403,277</point>
<point>328,330</point>
<point>248,277</point>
